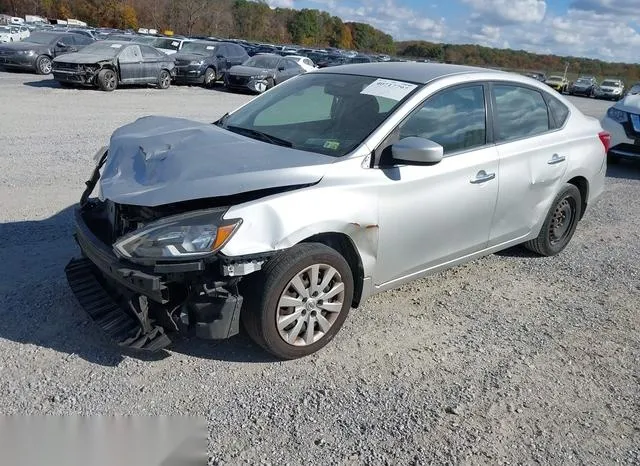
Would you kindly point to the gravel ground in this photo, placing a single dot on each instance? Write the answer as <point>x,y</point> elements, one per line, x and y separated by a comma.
<point>512,359</point>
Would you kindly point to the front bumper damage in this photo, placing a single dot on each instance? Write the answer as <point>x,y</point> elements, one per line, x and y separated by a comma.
<point>76,74</point>
<point>146,306</point>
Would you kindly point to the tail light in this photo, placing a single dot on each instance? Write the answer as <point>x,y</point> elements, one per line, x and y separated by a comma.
<point>605,139</point>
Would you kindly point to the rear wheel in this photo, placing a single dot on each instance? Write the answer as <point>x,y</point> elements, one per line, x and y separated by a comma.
<point>43,65</point>
<point>299,301</point>
<point>107,80</point>
<point>560,224</point>
<point>164,80</point>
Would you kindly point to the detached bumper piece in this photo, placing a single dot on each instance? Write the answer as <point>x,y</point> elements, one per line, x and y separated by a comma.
<point>122,327</point>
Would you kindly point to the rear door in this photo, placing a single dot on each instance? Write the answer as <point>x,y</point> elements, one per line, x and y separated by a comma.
<point>152,60</point>
<point>533,158</point>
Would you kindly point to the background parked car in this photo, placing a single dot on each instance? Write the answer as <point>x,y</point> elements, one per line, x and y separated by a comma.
<point>612,89</point>
<point>559,83</point>
<point>205,62</point>
<point>108,64</point>
<point>9,34</point>
<point>584,85</point>
<point>40,49</point>
<point>304,62</point>
<point>261,72</point>
<point>167,45</point>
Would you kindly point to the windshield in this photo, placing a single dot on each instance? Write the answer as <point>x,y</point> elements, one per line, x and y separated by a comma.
<point>202,48</point>
<point>107,49</point>
<point>41,38</point>
<point>584,81</point>
<point>326,113</point>
<point>555,78</point>
<point>262,61</point>
<point>610,83</point>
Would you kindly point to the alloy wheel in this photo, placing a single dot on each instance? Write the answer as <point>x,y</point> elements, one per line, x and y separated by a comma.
<point>310,305</point>
<point>45,65</point>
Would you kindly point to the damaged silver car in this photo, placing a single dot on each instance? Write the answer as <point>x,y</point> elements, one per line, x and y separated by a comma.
<point>334,186</point>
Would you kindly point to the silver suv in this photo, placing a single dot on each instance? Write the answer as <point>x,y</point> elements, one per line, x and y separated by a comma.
<point>334,186</point>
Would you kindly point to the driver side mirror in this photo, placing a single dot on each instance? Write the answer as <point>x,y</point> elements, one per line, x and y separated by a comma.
<point>414,150</point>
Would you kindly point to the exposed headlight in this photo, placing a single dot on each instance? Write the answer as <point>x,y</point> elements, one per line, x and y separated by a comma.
<point>192,235</point>
<point>197,62</point>
<point>617,115</point>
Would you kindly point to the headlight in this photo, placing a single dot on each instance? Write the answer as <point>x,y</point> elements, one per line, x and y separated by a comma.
<point>617,91</point>
<point>617,115</point>
<point>192,235</point>
<point>259,76</point>
<point>26,52</point>
<point>197,62</point>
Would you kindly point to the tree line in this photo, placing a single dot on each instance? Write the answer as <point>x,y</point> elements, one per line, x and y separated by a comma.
<point>517,60</point>
<point>255,20</point>
<point>241,19</point>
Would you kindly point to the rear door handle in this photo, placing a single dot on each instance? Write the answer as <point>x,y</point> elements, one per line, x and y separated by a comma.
<point>483,177</point>
<point>556,159</point>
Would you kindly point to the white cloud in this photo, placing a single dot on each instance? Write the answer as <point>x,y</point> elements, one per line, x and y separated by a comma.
<point>509,11</point>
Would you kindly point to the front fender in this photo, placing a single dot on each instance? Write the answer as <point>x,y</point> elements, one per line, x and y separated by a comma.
<point>281,221</point>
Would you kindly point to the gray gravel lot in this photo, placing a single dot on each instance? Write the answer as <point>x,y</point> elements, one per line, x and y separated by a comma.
<point>512,359</point>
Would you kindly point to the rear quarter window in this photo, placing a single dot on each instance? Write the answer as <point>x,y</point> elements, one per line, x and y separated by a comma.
<point>559,112</point>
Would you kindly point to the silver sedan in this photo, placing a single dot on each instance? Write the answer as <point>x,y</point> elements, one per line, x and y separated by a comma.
<point>332,187</point>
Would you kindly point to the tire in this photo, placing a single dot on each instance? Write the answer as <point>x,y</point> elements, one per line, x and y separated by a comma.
<point>556,232</point>
<point>210,77</point>
<point>164,80</point>
<point>43,65</point>
<point>267,290</point>
<point>107,80</point>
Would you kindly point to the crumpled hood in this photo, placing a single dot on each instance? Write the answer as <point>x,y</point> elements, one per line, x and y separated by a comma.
<point>630,104</point>
<point>161,160</point>
<point>82,58</point>
<point>241,70</point>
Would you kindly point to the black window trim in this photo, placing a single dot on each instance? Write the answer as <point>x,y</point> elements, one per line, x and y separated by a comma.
<point>488,112</point>
<point>545,96</point>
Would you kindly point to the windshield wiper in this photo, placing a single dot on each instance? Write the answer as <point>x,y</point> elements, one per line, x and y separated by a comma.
<point>255,134</point>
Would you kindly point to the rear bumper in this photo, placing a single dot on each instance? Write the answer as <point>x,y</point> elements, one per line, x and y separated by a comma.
<point>139,306</point>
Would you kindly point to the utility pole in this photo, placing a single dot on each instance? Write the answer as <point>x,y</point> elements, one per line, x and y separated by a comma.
<point>566,68</point>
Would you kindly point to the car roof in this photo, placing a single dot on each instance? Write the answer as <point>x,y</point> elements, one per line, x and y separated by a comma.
<point>421,73</point>
<point>123,43</point>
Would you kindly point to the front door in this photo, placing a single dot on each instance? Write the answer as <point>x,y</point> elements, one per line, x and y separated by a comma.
<point>131,67</point>
<point>432,215</point>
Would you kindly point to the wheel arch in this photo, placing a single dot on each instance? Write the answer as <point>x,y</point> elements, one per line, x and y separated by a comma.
<point>345,246</point>
<point>582,184</point>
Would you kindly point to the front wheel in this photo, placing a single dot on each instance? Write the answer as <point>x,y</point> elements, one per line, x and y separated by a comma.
<point>210,77</point>
<point>107,80</point>
<point>43,65</point>
<point>560,224</point>
<point>164,80</point>
<point>299,301</point>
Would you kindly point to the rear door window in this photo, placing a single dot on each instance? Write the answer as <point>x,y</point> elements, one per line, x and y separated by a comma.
<point>519,112</point>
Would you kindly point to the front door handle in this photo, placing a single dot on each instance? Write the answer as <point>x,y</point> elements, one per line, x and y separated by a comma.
<point>556,159</point>
<point>483,177</point>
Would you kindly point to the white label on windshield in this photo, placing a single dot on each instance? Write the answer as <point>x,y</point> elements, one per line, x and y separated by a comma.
<point>211,47</point>
<point>116,46</point>
<point>389,89</point>
<point>175,43</point>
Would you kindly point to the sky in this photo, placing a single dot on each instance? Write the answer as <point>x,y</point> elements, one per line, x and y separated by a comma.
<point>603,29</point>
